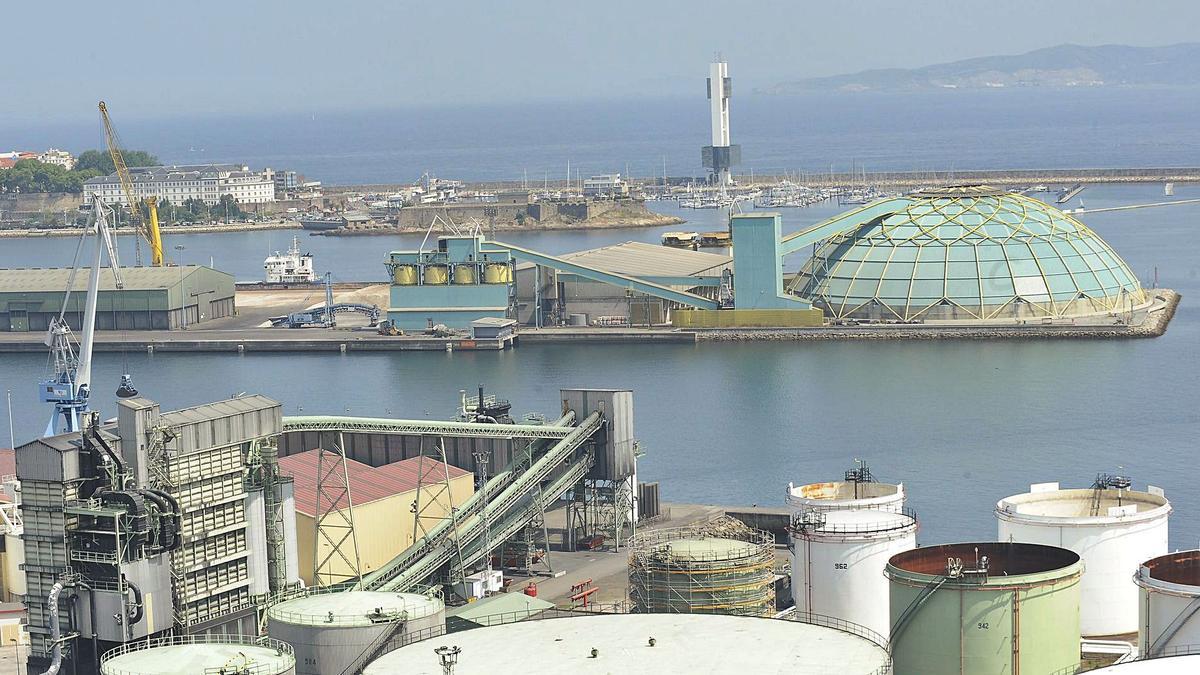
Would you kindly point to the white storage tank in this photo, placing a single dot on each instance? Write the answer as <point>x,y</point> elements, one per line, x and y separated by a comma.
<point>859,490</point>
<point>1112,529</point>
<point>1169,607</point>
<point>333,631</point>
<point>192,654</point>
<point>838,559</point>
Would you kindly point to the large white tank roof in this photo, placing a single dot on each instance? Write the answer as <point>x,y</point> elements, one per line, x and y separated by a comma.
<point>1172,665</point>
<point>1046,503</point>
<point>353,608</point>
<point>699,643</point>
<point>868,523</point>
<point>187,655</point>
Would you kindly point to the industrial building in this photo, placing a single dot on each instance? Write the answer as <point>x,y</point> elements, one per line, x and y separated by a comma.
<point>984,607</point>
<point>549,296</point>
<point>151,298</point>
<point>453,285</point>
<point>383,499</point>
<point>162,522</point>
<point>644,644</point>
<point>1113,528</point>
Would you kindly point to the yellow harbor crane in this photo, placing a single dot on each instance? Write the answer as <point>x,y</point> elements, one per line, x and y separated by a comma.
<point>147,230</point>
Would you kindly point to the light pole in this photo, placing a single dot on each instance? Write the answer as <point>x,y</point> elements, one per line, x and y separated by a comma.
<point>182,295</point>
<point>449,657</point>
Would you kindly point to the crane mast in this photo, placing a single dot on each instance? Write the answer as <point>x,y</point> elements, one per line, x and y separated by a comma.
<point>147,230</point>
<point>70,386</point>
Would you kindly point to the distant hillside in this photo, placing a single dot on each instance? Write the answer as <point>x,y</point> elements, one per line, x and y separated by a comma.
<point>1061,66</point>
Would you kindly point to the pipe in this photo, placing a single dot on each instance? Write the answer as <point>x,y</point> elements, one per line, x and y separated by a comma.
<point>92,615</point>
<point>55,631</point>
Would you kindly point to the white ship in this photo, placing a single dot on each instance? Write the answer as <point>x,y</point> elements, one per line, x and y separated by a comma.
<point>291,267</point>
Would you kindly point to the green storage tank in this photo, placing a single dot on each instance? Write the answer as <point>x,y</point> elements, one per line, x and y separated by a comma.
<point>986,608</point>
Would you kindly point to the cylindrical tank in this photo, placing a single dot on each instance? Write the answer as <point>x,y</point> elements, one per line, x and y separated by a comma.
<point>1170,593</point>
<point>191,654</point>
<point>838,559</point>
<point>331,630</point>
<point>692,570</point>
<point>464,274</point>
<point>991,607</point>
<point>1112,530</point>
<point>845,495</point>
<point>437,275</point>
<point>1188,664</point>
<point>496,273</point>
<point>603,644</point>
<point>405,275</point>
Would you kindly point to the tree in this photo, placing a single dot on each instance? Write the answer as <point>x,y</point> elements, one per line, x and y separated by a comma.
<point>30,175</point>
<point>101,162</point>
<point>227,208</point>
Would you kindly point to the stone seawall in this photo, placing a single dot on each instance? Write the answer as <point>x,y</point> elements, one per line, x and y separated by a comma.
<point>1154,326</point>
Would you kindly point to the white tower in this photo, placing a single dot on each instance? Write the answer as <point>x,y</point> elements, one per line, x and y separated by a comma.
<point>720,156</point>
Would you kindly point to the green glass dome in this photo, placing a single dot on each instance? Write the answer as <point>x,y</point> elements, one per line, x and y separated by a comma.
<point>967,253</point>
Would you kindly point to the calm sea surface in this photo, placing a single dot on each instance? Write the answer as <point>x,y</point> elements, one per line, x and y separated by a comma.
<point>962,424</point>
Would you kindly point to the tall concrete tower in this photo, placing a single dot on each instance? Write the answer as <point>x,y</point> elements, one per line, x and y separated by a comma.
<point>720,156</point>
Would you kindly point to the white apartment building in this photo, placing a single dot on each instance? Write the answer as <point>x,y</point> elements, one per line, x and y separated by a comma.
<point>178,184</point>
<point>59,157</point>
<point>605,185</point>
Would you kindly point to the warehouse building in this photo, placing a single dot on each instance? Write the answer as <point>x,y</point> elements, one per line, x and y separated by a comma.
<point>560,295</point>
<point>383,499</point>
<point>151,298</point>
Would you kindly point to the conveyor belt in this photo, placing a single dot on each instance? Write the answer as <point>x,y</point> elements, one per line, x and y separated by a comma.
<point>510,505</point>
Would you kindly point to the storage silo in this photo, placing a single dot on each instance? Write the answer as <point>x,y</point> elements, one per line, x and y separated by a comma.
<point>701,570</point>
<point>838,559</point>
<point>637,644</point>
<point>333,631</point>
<point>1113,529</point>
<point>191,654</point>
<point>1169,606</point>
<point>859,490</point>
<point>993,607</point>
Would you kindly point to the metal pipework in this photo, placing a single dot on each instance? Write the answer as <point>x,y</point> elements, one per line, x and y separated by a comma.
<point>55,631</point>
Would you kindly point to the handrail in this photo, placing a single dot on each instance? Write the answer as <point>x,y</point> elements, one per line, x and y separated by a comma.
<point>380,425</point>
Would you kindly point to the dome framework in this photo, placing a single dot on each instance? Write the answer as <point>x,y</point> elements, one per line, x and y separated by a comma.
<point>968,253</point>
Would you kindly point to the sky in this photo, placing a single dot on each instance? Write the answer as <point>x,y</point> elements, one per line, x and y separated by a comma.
<point>186,57</point>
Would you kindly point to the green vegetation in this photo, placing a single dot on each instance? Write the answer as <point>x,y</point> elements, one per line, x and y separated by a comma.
<point>101,162</point>
<point>30,175</point>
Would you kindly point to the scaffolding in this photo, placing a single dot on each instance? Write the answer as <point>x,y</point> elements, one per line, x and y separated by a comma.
<point>721,567</point>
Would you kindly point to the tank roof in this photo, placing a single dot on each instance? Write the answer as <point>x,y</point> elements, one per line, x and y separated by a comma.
<point>862,521</point>
<point>1181,568</point>
<point>199,656</point>
<point>353,608</point>
<point>683,643</point>
<point>1006,560</point>
<point>1077,506</point>
<point>706,548</point>
<point>1171,665</point>
<point>838,491</point>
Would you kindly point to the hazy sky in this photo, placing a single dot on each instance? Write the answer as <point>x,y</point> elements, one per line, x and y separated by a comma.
<point>182,57</point>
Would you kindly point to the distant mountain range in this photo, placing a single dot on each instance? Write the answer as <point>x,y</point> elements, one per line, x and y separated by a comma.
<point>1061,66</point>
